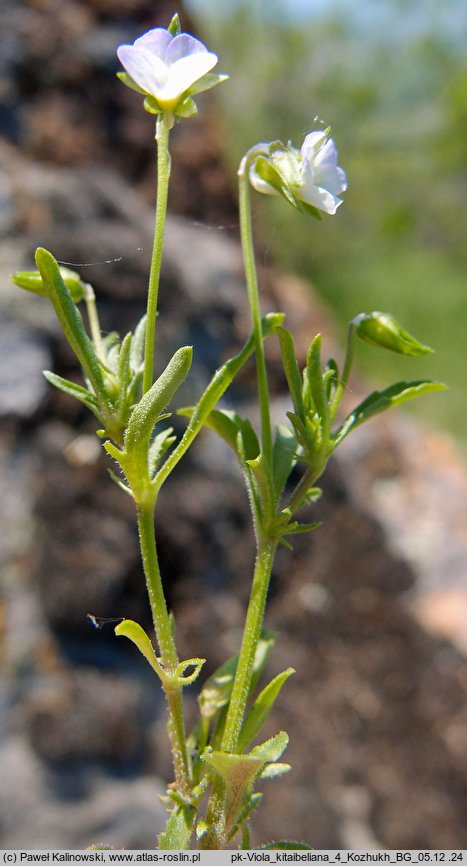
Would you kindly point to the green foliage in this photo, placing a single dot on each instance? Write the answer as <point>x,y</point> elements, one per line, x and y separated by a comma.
<point>396,96</point>
<point>379,401</point>
<point>178,830</point>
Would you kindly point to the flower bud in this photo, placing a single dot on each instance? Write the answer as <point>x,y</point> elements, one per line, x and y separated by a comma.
<point>383,330</point>
<point>310,179</point>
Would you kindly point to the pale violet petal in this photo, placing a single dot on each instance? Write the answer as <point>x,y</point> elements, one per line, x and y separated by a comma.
<point>319,197</point>
<point>156,40</point>
<point>184,45</point>
<point>312,192</point>
<point>331,177</point>
<point>313,143</point>
<point>327,154</point>
<point>144,68</point>
<point>185,72</point>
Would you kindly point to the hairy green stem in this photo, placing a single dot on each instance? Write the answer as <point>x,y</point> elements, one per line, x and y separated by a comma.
<point>164,125</point>
<point>251,635</point>
<point>246,233</point>
<point>306,481</point>
<point>216,836</point>
<point>167,649</point>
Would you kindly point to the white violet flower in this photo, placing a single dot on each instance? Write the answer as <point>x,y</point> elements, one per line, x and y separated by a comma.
<point>167,66</point>
<point>310,178</point>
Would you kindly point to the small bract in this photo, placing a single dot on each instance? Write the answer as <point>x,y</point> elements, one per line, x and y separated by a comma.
<point>310,178</point>
<point>168,66</point>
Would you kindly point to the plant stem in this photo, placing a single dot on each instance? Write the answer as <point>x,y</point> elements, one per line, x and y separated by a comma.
<point>306,481</point>
<point>164,125</point>
<point>216,836</point>
<point>251,635</point>
<point>246,233</point>
<point>167,649</point>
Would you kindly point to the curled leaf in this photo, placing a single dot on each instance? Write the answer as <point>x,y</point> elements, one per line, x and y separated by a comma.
<point>133,631</point>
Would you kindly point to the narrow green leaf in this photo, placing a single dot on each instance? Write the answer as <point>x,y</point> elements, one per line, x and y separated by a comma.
<point>261,709</point>
<point>124,369</point>
<point>72,323</point>
<point>265,644</point>
<point>316,383</point>
<point>221,422</point>
<point>251,804</point>
<point>229,425</point>
<point>137,345</point>
<point>73,390</point>
<point>158,447</point>
<point>146,413</point>
<point>178,830</point>
<point>216,691</point>
<point>259,472</point>
<point>283,457</point>
<point>331,378</point>
<point>379,401</point>
<point>133,631</point>
<point>291,370</point>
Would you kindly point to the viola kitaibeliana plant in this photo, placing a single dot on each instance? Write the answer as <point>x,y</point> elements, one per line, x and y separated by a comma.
<point>220,765</point>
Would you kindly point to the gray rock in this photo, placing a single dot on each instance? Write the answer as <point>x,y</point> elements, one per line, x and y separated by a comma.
<point>41,810</point>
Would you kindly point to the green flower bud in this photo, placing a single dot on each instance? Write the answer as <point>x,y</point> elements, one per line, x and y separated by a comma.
<point>383,330</point>
<point>32,281</point>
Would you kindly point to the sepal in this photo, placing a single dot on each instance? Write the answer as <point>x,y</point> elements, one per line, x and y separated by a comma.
<point>174,27</point>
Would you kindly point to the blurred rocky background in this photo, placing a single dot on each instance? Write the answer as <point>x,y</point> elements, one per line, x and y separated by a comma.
<point>371,610</point>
